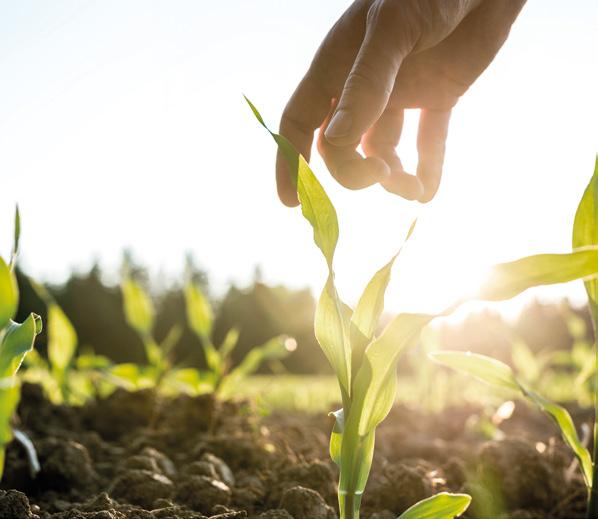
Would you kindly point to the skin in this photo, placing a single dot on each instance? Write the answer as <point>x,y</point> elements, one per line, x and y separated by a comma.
<point>380,58</point>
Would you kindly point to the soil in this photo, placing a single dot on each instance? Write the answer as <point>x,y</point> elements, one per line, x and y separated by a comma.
<point>133,455</point>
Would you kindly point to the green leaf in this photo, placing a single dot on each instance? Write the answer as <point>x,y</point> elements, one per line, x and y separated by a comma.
<point>139,310</point>
<point>486,369</point>
<point>286,148</point>
<point>229,343</point>
<point>336,437</point>
<point>315,204</point>
<point>172,339</point>
<point>272,349</point>
<point>9,294</point>
<point>318,210</point>
<point>16,237</point>
<point>498,374</point>
<point>356,457</point>
<point>199,312</point>
<point>585,233</point>
<point>366,315</point>
<point>563,420</point>
<point>10,393</point>
<point>62,338</point>
<point>375,384</point>
<point>510,279</point>
<point>331,329</point>
<point>90,361</point>
<point>17,341</point>
<point>440,506</point>
<point>191,379</point>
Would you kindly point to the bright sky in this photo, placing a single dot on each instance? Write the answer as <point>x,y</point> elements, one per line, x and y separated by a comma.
<point>122,124</point>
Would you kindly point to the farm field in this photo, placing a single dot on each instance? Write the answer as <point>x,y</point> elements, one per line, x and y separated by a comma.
<point>315,260</point>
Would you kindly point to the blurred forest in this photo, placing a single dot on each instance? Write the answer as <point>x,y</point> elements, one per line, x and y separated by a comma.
<point>261,311</point>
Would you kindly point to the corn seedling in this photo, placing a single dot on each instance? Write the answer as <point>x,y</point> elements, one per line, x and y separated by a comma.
<point>365,364</point>
<point>16,340</point>
<point>64,376</point>
<point>140,315</point>
<point>62,344</point>
<point>496,373</point>
<point>223,379</point>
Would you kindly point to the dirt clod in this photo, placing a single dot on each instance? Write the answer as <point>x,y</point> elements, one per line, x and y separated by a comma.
<point>141,487</point>
<point>14,505</point>
<point>202,493</point>
<point>305,503</point>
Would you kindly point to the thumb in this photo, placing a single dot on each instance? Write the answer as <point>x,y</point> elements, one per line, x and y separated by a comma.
<point>372,77</point>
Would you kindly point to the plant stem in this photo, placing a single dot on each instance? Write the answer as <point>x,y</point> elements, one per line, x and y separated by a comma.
<point>349,505</point>
<point>2,456</point>
<point>592,512</point>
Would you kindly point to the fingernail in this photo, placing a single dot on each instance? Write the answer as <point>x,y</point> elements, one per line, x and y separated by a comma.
<point>339,126</point>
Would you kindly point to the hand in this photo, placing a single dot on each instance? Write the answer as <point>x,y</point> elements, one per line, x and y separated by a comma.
<point>381,57</point>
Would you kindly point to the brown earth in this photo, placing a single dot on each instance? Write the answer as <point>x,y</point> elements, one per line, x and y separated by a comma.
<point>135,456</point>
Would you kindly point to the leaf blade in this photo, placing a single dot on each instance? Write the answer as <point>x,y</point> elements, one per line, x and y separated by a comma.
<point>481,367</point>
<point>9,294</point>
<point>440,506</point>
<point>512,278</point>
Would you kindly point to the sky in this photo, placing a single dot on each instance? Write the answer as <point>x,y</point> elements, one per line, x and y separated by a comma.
<point>122,125</point>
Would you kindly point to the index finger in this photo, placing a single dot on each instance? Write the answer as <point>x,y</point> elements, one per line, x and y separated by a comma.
<point>305,111</point>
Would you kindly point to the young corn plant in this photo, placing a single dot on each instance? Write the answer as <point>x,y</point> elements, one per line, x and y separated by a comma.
<point>221,378</point>
<point>496,373</point>
<point>365,363</point>
<point>62,344</point>
<point>66,378</point>
<point>140,316</point>
<point>16,340</point>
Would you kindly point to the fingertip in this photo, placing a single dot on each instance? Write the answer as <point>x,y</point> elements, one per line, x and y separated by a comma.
<point>288,199</point>
<point>406,186</point>
<point>427,196</point>
<point>287,193</point>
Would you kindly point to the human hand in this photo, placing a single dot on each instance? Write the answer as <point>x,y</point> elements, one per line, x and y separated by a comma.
<point>381,57</point>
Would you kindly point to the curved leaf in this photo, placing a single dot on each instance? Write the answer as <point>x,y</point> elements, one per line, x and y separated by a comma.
<point>486,369</point>
<point>199,312</point>
<point>366,315</point>
<point>336,437</point>
<point>375,383</point>
<point>498,374</point>
<point>440,506</point>
<point>229,343</point>
<point>585,227</point>
<point>9,398</point>
<point>139,310</point>
<point>9,294</point>
<point>318,210</point>
<point>16,343</point>
<point>331,329</point>
<point>315,204</point>
<point>16,238</point>
<point>563,420</point>
<point>510,279</point>
<point>62,338</point>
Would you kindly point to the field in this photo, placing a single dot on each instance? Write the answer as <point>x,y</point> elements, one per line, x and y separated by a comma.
<point>413,435</point>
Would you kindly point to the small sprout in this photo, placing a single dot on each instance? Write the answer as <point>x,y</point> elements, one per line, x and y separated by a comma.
<point>16,340</point>
<point>200,318</point>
